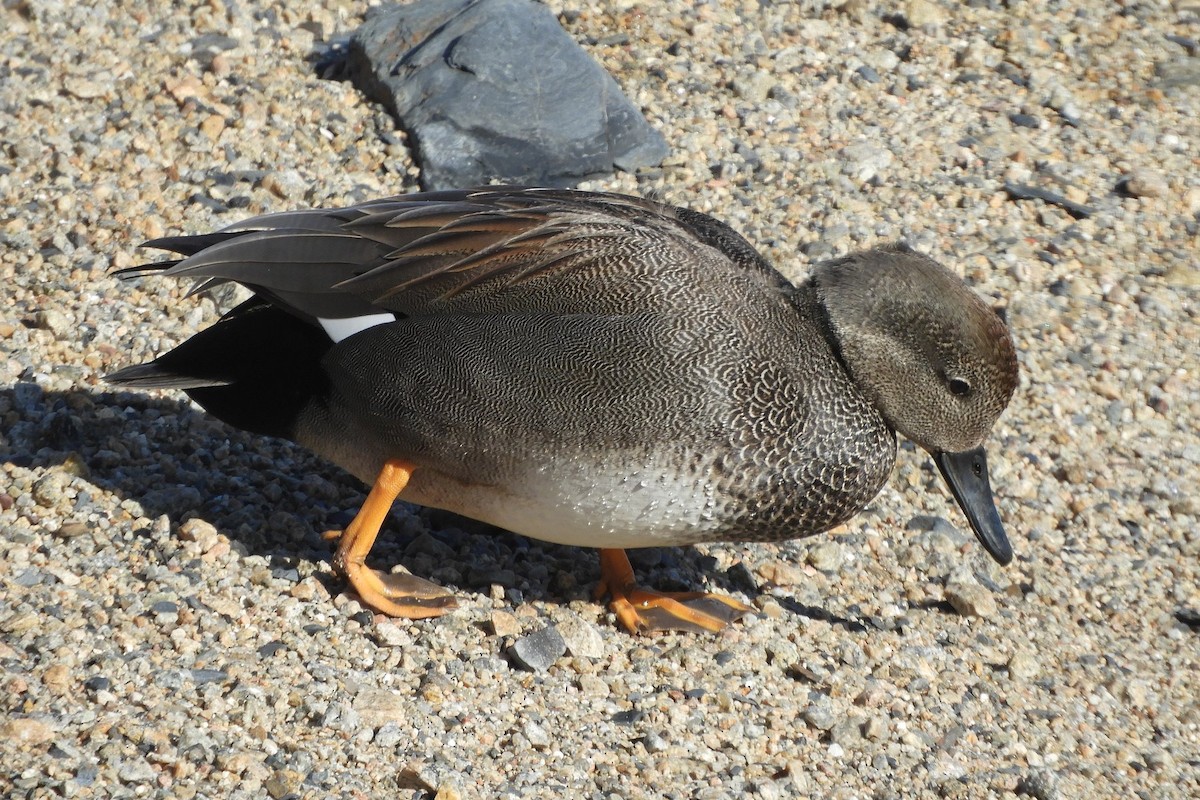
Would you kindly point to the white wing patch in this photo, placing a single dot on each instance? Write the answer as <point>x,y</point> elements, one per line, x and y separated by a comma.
<point>345,327</point>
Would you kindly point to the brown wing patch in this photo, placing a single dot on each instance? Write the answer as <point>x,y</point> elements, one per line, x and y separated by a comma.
<point>515,237</point>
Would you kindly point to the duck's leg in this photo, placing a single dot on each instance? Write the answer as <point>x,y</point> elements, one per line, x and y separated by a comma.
<point>394,595</point>
<point>641,609</point>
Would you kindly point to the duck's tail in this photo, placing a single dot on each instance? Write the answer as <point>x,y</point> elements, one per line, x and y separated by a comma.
<point>256,369</point>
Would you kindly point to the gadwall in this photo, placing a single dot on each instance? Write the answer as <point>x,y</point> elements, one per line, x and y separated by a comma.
<point>589,369</point>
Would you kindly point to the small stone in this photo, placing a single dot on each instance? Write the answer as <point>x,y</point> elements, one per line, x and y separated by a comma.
<point>1023,667</point>
<point>377,707</point>
<point>826,556</point>
<point>434,688</point>
<point>283,783</point>
<point>389,735</point>
<point>55,321</point>
<point>212,126</point>
<point>1040,785</point>
<point>781,574</point>
<point>198,531</point>
<point>70,530</point>
<point>971,600</point>
<point>57,678</point>
<point>1145,182</point>
<point>539,650</point>
<point>83,89</point>
<point>864,160</point>
<point>537,735</point>
<point>654,743</point>
<point>389,634</point>
<point>448,791</point>
<point>97,683</point>
<point>203,676</point>
<point>593,686</point>
<point>847,733</point>
<point>819,716</point>
<point>20,623</point>
<point>505,623</point>
<point>236,761</point>
<point>307,589</point>
<point>1158,759</point>
<point>417,775</point>
<point>26,731</point>
<point>582,638</point>
<point>286,185</point>
<point>137,772</point>
<point>48,490</point>
<point>919,13</point>
<point>754,86</point>
<point>875,728</point>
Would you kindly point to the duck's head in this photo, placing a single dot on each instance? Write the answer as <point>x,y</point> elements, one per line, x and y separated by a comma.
<point>937,362</point>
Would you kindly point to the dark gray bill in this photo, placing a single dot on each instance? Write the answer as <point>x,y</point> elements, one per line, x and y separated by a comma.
<point>967,475</point>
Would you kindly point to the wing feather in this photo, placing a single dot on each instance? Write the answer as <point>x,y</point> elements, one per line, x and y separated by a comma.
<point>465,251</point>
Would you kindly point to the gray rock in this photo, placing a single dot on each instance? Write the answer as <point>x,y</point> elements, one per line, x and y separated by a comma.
<point>496,90</point>
<point>389,735</point>
<point>847,732</point>
<point>537,651</point>
<point>819,714</point>
<point>136,772</point>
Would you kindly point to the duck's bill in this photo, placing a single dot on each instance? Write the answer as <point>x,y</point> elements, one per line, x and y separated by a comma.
<point>967,475</point>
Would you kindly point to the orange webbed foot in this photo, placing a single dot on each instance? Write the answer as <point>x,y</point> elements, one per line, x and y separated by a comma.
<point>642,610</point>
<point>397,595</point>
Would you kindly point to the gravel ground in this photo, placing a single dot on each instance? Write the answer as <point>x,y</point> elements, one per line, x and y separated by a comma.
<point>168,624</point>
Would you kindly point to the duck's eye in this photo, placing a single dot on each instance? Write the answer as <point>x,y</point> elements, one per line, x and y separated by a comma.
<point>959,387</point>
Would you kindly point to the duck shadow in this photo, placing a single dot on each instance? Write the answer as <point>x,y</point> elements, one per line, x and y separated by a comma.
<point>274,498</point>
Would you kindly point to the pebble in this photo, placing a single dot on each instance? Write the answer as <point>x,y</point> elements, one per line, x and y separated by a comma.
<point>826,556</point>
<point>505,623</point>
<point>1145,183</point>
<point>1023,666</point>
<point>582,638</point>
<point>971,600</point>
<point>922,13</point>
<point>283,782</point>
<point>539,650</point>
<point>1040,785</point>
<point>25,731</point>
<point>536,735</point>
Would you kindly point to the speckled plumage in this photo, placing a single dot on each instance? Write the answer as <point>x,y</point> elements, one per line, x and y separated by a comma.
<point>588,368</point>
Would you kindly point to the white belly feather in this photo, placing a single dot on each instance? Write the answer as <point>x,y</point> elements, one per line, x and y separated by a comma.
<point>585,505</point>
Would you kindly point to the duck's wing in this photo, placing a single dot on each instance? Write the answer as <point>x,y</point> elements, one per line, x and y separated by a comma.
<point>484,250</point>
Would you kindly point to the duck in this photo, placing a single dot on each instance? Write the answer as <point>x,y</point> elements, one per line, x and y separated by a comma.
<point>590,369</point>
